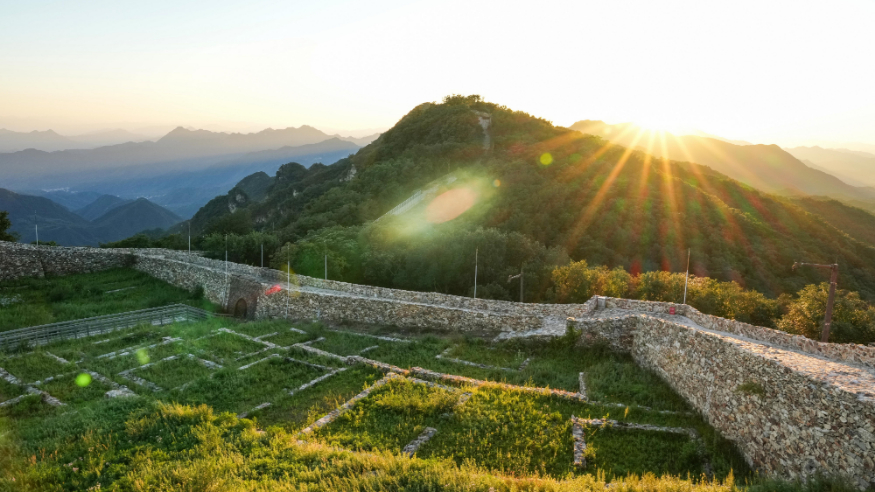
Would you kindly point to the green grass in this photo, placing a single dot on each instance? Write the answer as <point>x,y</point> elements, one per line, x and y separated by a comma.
<point>224,348</point>
<point>295,412</point>
<point>53,299</point>
<point>389,418</point>
<point>9,391</point>
<point>138,444</point>
<point>506,432</point>
<point>622,452</point>
<point>74,350</point>
<point>66,390</point>
<point>482,353</point>
<point>34,366</point>
<point>611,377</point>
<point>110,367</point>
<point>174,373</point>
<point>232,390</point>
<point>347,343</point>
<point>259,328</point>
<point>287,337</point>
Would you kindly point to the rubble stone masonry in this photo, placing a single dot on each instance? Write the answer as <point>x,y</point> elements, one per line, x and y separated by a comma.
<point>793,406</point>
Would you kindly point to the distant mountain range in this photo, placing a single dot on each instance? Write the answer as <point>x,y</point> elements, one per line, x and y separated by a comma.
<point>50,141</point>
<point>592,200</point>
<point>121,219</point>
<point>100,207</point>
<point>765,167</point>
<point>181,171</point>
<point>851,166</point>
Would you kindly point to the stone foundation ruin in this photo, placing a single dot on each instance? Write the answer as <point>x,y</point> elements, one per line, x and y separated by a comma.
<point>794,406</point>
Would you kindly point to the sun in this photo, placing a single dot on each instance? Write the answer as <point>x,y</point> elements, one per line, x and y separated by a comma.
<point>658,123</point>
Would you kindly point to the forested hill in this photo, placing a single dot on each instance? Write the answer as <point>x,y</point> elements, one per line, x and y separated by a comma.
<point>538,194</point>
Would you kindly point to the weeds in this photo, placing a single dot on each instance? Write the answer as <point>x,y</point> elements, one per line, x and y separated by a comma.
<point>390,417</point>
<point>53,299</point>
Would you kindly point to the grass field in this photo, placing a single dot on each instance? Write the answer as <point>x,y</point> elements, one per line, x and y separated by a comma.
<point>182,431</point>
<point>38,301</point>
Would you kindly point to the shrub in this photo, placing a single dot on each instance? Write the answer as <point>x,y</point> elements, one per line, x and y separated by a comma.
<point>853,320</point>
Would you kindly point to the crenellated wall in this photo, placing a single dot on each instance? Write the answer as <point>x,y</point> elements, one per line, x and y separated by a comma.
<point>794,406</point>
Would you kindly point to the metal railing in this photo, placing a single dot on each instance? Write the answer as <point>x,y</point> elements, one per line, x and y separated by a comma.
<point>66,330</point>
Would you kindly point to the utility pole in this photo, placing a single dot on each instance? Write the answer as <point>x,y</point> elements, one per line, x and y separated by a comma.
<point>687,278</point>
<point>36,227</point>
<point>520,276</point>
<point>476,252</point>
<point>262,255</point>
<point>227,287</point>
<point>326,267</point>
<point>827,319</point>
<point>189,237</point>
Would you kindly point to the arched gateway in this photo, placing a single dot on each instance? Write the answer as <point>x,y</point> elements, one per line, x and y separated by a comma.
<point>240,308</point>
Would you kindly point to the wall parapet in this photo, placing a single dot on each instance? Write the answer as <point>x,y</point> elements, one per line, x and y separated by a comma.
<point>845,352</point>
<point>808,415</point>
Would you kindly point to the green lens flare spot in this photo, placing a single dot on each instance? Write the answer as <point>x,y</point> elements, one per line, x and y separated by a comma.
<point>142,356</point>
<point>546,159</point>
<point>83,380</point>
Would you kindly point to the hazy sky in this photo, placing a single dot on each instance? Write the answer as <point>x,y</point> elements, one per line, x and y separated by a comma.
<point>764,71</point>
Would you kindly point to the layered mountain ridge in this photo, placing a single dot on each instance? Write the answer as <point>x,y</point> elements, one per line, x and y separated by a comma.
<point>573,193</point>
<point>32,215</point>
<point>766,167</point>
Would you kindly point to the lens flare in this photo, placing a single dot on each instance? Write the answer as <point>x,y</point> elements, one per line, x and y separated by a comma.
<point>546,159</point>
<point>496,183</point>
<point>142,356</point>
<point>449,205</point>
<point>273,290</point>
<point>83,380</point>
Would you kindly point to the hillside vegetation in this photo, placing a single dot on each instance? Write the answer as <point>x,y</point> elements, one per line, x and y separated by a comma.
<point>56,223</point>
<point>534,198</point>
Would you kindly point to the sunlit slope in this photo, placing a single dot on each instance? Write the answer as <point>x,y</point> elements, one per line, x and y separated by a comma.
<point>856,222</point>
<point>765,167</point>
<point>601,202</point>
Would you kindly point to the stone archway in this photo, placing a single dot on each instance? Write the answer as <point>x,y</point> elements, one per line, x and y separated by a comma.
<point>240,310</point>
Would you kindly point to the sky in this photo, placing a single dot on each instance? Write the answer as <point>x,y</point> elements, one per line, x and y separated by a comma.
<point>785,72</point>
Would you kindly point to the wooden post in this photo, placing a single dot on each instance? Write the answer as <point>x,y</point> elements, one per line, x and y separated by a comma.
<point>827,319</point>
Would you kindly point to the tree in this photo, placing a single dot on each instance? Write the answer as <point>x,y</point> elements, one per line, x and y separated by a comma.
<point>853,320</point>
<point>5,224</point>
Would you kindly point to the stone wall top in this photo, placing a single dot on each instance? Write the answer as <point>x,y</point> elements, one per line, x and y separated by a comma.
<point>843,352</point>
<point>17,260</point>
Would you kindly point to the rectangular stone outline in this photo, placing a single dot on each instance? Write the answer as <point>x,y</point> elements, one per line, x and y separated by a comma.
<point>29,390</point>
<point>443,356</point>
<point>331,416</point>
<point>415,444</point>
<point>568,395</point>
<point>690,432</point>
<point>154,387</point>
<point>332,372</point>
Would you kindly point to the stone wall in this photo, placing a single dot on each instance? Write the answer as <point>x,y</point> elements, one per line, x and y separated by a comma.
<point>794,406</point>
<point>338,307</point>
<point>26,260</point>
<point>846,352</point>
<point>792,414</point>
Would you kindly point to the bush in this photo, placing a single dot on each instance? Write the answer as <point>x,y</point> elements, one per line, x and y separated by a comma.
<point>853,320</point>
<point>61,292</point>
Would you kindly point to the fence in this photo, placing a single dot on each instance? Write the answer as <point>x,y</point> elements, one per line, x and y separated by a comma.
<point>65,330</point>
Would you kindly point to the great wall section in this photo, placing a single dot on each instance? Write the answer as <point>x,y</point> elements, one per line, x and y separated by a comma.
<point>812,410</point>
